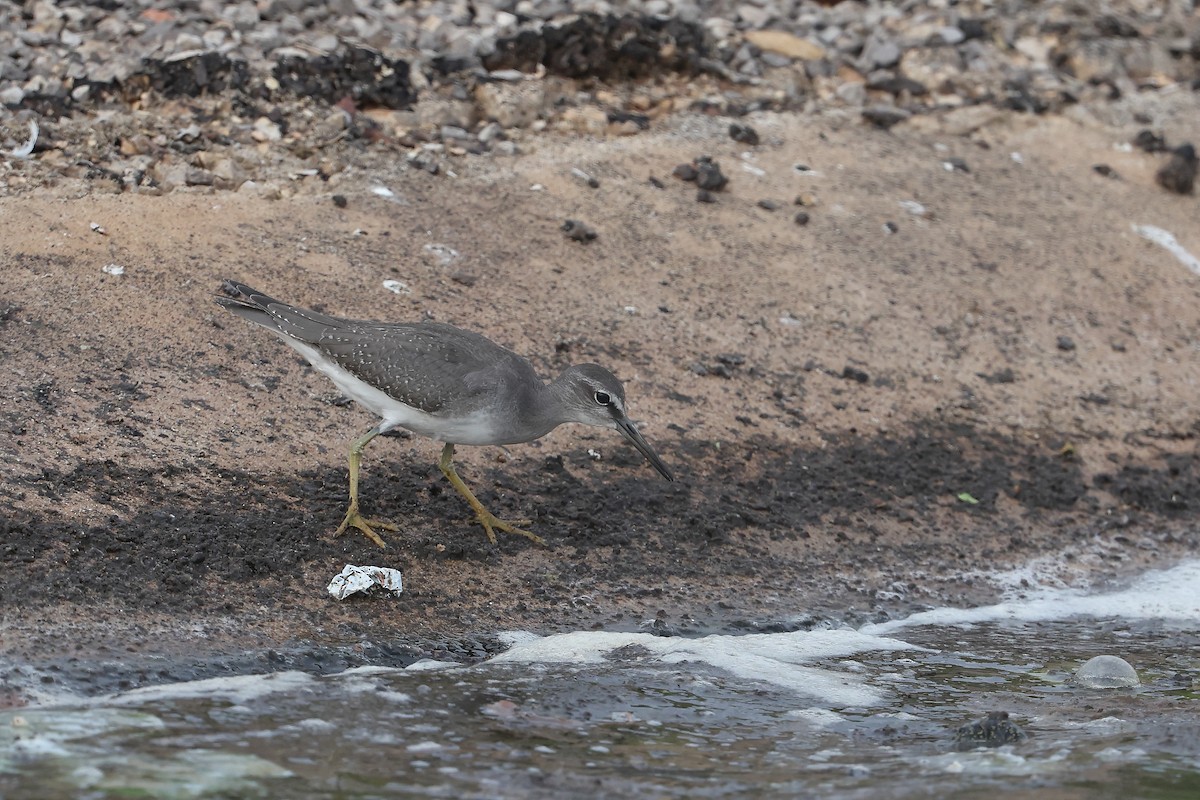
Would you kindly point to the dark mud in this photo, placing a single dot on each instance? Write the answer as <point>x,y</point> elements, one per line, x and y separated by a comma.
<point>218,541</point>
<point>192,532</point>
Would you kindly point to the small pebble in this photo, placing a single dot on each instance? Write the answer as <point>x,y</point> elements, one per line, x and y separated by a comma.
<point>1150,142</point>
<point>708,174</point>
<point>591,181</point>
<point>656,183</point>
<point>340,201</point>
<point>576,230</point>
<point>685,172</point>
<point>705,196</point>
<point>885,116</point>
<point>890,227</point>
<point>801,218</point>
<point>994,730</point>
<point>768,205</point>
<point>855,374</point>
<point>743,134</point>
<point>1066,344</point>
<point>1105,170</point>
<point>1179,173</point>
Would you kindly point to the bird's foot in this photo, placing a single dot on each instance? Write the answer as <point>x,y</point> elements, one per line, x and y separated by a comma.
<point>355,520</point>
<point>489,521</point>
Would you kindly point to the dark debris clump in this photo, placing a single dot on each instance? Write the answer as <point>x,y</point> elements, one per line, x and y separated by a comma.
<point>605,47</point>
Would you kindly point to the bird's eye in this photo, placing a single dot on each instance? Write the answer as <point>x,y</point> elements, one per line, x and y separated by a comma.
<point>602,398</point>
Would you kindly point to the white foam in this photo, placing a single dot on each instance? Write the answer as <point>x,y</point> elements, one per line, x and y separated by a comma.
<point>431,665</point>
<point>780,659</point>
<point>1169,594</point>
<point>237,689</point>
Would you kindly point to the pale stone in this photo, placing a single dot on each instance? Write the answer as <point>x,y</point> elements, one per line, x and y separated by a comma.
<point>511,105</point>
<point>786,44</point>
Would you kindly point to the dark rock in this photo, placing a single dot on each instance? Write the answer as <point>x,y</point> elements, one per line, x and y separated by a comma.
<point>656,183</point>
<point>340,201</point>
<point>855,374</point>
<point>576,230</point>
<point>705,196</point>
<point>885,116</point>
<point>1179,173</point>
<point>743,134</point>
<point>1005,375</point>
<point>1150,142</point>
<point>972,28</point>
<point>426,161</point>
<point>994,730</point>
<point>897,84</point>
<point>956,164</point>
<point>467,279</point>
<point>768,205</point>
<point>685,172</point>
<point>605,47</point>
<point>641,120</point>
<point>199,177</point>
<point>721,371</point>
<point>1105,170</point>
<point>708,174</point>
<point>801,218</point>
<point>1065,343</point>
<point>1112,25</point>
<point>360,73</point>
<point>890,227</point>
<point>205,73</point>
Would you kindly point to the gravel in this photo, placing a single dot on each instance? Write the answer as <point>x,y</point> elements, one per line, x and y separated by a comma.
<point>272,85</point>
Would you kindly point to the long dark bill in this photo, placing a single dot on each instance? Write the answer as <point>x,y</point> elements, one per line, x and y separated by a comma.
<point>643,447</point>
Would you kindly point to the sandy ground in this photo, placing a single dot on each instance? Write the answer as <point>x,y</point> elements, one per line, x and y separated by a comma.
<point>825,392</point>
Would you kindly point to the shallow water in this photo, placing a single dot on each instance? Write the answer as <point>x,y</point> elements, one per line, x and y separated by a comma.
<point>828,712</point>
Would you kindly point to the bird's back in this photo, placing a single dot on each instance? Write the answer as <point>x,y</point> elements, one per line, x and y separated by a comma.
<point>434,367</point>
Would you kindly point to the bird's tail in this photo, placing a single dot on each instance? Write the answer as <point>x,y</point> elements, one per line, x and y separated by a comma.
<point>302,324</point>
<point>247,303</point>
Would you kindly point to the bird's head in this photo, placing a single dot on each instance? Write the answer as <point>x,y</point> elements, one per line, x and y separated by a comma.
<point>591,395</point>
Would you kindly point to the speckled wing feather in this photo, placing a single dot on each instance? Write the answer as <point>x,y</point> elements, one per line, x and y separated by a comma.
<point>430,366</point>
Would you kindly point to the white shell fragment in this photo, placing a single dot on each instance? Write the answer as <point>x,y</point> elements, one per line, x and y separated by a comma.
<point>1166,240</point>
<point>444,253</point>
<point>354,579</point>
<point>397,287</point>
<point>26,150</point>
<point>113,269</point>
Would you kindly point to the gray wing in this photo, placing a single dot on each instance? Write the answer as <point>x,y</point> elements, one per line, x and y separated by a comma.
<point>431,366</point>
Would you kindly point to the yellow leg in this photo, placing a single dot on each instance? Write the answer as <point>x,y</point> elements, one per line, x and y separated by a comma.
<point>486,518</point>
<point>353,518</point>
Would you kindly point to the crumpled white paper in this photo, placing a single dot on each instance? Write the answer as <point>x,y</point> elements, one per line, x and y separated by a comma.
<point>353,579</point>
